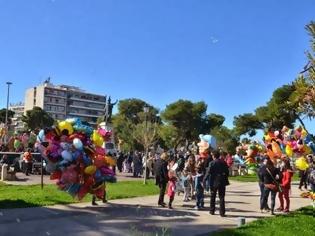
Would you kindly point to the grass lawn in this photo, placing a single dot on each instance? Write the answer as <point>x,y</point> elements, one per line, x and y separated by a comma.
<point>301,222</point>
<point>33,196</point>
<point>254,178</point>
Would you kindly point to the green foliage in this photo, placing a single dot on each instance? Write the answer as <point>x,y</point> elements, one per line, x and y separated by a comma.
<point>129,123</point>
<point>3,113</point>
<point>247,123</point>
<point>37,118</point>
<point>227,140</point>
<point>146,133</point>
<point>33,196</point>
<point>304,94</point>
<point>185,120</point>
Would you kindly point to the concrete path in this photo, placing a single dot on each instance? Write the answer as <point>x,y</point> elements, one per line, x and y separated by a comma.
<point>137,215</point>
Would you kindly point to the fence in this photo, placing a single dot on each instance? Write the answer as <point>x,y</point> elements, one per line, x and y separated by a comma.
<point>37,157</point>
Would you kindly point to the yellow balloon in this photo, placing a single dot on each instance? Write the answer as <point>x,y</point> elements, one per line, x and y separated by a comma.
<point>303,133</point>
<point>301,164</point>
<point>307,150</point>
<point>289,151</point>
<point>110,161</point>
<point>97,139</point>
<point>90,170</point>
<point>64,125</point>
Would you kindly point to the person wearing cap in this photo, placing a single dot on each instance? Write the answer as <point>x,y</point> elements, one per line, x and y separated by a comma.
<point>161,177</point>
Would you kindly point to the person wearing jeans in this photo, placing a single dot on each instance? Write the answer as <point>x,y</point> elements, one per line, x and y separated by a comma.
<point>269,174</point>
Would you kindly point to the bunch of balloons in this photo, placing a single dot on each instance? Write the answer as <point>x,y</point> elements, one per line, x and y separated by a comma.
<point>76,158</point>
<point>251,151</point>
<point>206,142</point>
<point>290,142</point>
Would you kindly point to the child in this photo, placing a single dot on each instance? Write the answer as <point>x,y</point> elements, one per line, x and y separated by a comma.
<point>199,189</point>
<point>186,185</point>
<point>171,188</point>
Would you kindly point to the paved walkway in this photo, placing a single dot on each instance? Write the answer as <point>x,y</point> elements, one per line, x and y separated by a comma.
<point>132,216</point>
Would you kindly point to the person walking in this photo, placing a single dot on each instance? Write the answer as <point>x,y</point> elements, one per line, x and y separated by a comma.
<point>271,177</point>
<point>287,174</point>
<point>161,177</point>
<point>218,172</point>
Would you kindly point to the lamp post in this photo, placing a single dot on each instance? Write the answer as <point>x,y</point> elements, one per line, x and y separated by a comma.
<point>146,110</point>
<point>7,110</point>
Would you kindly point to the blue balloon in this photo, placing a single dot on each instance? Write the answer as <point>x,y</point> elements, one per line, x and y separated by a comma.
<point>87,161</point>
<point>312,146</point>
<point>307,139</point>
<point>76,155</point>
<point>209,139</point>
<point>41,136</point>
<point>98,174</point>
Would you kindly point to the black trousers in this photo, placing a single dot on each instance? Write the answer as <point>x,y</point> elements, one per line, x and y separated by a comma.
<point>214,191</point>
<point>162,187</point>
<point>303,179</point>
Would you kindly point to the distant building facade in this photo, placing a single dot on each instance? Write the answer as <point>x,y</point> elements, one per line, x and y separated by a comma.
<point>63,101</point>
<point>18,110</point>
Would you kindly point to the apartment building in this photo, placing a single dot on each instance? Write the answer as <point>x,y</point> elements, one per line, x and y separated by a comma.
<point>63,101</point>
<point>17,122</point>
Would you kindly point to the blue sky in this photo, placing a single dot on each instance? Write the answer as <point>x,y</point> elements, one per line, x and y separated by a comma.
<point>230,54</point>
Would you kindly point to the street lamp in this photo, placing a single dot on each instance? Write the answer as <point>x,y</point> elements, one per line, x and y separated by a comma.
<point>7,110</point>
<point>146,111</point>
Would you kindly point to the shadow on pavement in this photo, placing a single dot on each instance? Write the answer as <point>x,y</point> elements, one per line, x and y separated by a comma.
<point>5,204</point>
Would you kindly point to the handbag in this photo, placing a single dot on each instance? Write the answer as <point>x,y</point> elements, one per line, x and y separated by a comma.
<point>275,186</point>
<point>272,187</point>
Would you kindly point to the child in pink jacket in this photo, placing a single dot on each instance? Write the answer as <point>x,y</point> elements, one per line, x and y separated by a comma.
<point>171,188</point>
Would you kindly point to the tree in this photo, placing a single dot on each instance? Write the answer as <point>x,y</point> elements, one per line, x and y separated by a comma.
<point>37,118</point>
<point>227,139</point>
<point>3,114</point>
<point>186,120</point>
<point>146,133</point>
<point>130,114</point>
<point>304,94</point>
<point>247,123</point>
<point>279,111</point>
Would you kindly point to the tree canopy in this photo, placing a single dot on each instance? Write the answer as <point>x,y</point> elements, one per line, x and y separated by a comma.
<point>37,118</point>
<point>3,114</point>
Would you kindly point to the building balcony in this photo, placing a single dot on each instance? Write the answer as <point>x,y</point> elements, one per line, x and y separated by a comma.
<point>87,100</point>
<point>88,108</point>
<point>83,115</point>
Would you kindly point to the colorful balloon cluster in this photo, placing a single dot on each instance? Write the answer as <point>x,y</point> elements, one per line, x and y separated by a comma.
<point>290,142</point>
<point>206,142</point>
<point>250,151</point>
<point>76,158</point>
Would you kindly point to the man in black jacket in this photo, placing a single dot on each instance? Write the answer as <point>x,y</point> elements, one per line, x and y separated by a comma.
<point>218,172</point>
<point>161,177</point>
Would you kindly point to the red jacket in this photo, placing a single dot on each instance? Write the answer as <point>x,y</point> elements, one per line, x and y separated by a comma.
<point>286,179</point>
